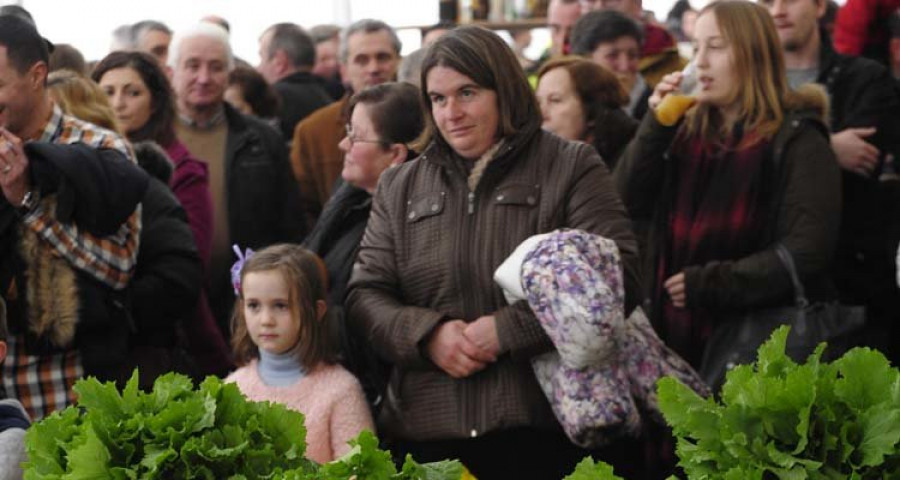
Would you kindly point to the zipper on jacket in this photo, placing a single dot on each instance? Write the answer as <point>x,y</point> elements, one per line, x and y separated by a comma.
<point>464,237</point>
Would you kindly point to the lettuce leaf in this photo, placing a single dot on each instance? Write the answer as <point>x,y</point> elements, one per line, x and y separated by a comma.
<point>780,419</point>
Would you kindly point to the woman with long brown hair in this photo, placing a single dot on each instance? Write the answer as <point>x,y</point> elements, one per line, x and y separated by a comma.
<point>746,169</point>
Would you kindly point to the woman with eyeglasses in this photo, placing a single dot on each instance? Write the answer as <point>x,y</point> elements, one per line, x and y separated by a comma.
<point>384,120</point>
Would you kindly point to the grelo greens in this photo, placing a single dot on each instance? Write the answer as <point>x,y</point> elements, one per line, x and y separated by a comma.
<point>212,432</point>
<point>780,419</point>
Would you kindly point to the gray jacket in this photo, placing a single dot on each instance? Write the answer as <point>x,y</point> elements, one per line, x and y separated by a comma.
<point>12,443</point>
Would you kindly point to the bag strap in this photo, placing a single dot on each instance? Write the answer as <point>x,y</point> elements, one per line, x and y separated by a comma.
<point>788,261</point>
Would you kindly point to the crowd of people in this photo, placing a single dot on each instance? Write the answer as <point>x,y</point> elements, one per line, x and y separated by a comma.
<point>326,237</point>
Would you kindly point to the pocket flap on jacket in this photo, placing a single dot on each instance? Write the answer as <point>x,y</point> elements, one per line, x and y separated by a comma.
<point>517,195</point>
<point>424,206</point>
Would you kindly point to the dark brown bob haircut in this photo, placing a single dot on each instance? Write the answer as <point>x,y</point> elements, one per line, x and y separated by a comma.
<point>485,58</point>
<point>395,110</point>
<point>306,277</point>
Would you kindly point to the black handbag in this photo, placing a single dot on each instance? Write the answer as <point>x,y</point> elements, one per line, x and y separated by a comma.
<point>736,340</point>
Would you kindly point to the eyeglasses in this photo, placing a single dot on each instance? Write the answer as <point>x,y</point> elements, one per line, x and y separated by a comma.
<point>353,139</point>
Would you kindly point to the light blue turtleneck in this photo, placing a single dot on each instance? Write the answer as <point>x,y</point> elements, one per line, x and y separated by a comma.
<point>280,369</point>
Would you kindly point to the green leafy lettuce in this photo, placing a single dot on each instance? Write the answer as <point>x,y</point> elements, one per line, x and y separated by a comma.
<point>212,432</point>
<point>780,419</point>
<point>587,469</point>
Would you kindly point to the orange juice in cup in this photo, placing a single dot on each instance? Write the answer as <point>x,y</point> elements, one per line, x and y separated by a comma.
<point>672,108</point>
<point>673,105</point>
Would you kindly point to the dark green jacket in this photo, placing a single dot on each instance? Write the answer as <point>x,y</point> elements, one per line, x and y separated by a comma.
<point>806,215</point>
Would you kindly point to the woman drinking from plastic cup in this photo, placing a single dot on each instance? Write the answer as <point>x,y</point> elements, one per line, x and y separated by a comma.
<point>746,168</point>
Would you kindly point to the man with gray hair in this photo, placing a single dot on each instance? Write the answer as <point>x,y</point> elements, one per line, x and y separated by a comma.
<point>154,38</point>
<point>254,198</point>
<point>369,55</point>
<point>121,39</point>
<point>287,55</point>
<point>327,67</point>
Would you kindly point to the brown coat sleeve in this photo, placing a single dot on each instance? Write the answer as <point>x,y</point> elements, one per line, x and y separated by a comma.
<point>374,307</point>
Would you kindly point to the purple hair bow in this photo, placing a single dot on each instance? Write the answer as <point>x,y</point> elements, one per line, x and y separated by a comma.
<point>238,266</point>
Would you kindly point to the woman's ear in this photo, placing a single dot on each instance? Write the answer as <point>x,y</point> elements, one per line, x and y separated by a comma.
<point>321,309</point>
<point>399,151</point>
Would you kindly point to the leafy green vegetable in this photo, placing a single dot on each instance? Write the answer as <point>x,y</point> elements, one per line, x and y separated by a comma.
<point>780,419</point>
<point>176,431</point>
<point>588,470</point>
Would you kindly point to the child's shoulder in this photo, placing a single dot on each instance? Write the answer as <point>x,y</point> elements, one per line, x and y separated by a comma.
<point>335,374</point>
<point>243,373</point>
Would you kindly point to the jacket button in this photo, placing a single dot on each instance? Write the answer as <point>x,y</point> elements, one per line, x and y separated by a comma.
<point>473,433</point>
<point>500,198</point>
<point>531,200</point>
<point>412,215</point>
<point>434,207</point>
<point>796,123</point>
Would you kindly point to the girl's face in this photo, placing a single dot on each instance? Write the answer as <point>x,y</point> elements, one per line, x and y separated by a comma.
<point>129,96</point>
<point>272,325</point>
<point>714,58</point>
<point>561,108</point>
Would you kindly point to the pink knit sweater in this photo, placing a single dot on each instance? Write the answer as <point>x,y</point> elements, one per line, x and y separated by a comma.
<point>329,397</point>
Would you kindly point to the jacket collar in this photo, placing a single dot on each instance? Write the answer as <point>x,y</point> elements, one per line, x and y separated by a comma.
<point>828,57</point>
<point>214,121</point>
<point>298,78</point>
<point>512,147</point>
<point>53,128</point>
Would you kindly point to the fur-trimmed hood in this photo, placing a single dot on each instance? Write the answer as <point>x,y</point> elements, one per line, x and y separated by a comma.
<point>810,100</point>
<point>154,160</point>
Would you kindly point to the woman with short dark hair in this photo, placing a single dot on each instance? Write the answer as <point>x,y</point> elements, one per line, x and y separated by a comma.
<point>583,101</point>
<point>461,383</point>
<point>383,121</point>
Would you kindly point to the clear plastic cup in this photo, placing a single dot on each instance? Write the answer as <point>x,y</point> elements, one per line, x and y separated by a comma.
<point>675,104</point>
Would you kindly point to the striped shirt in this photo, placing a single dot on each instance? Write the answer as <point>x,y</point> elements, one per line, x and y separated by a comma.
<point>43,383</point>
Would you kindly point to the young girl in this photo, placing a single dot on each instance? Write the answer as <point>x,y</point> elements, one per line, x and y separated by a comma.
<point>281,343</point>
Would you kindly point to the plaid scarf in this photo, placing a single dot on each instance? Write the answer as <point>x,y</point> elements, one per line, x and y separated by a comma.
<point>719,196</point>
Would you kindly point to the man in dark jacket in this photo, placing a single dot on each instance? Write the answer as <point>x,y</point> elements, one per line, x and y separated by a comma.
<point>287,55</point>
<point>255,201</point>
<point>69,227</point>
<point>865,110</point>
<point>370,55</point>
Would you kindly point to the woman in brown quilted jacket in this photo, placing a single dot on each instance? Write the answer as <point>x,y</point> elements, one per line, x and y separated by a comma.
<point>421,293</point>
